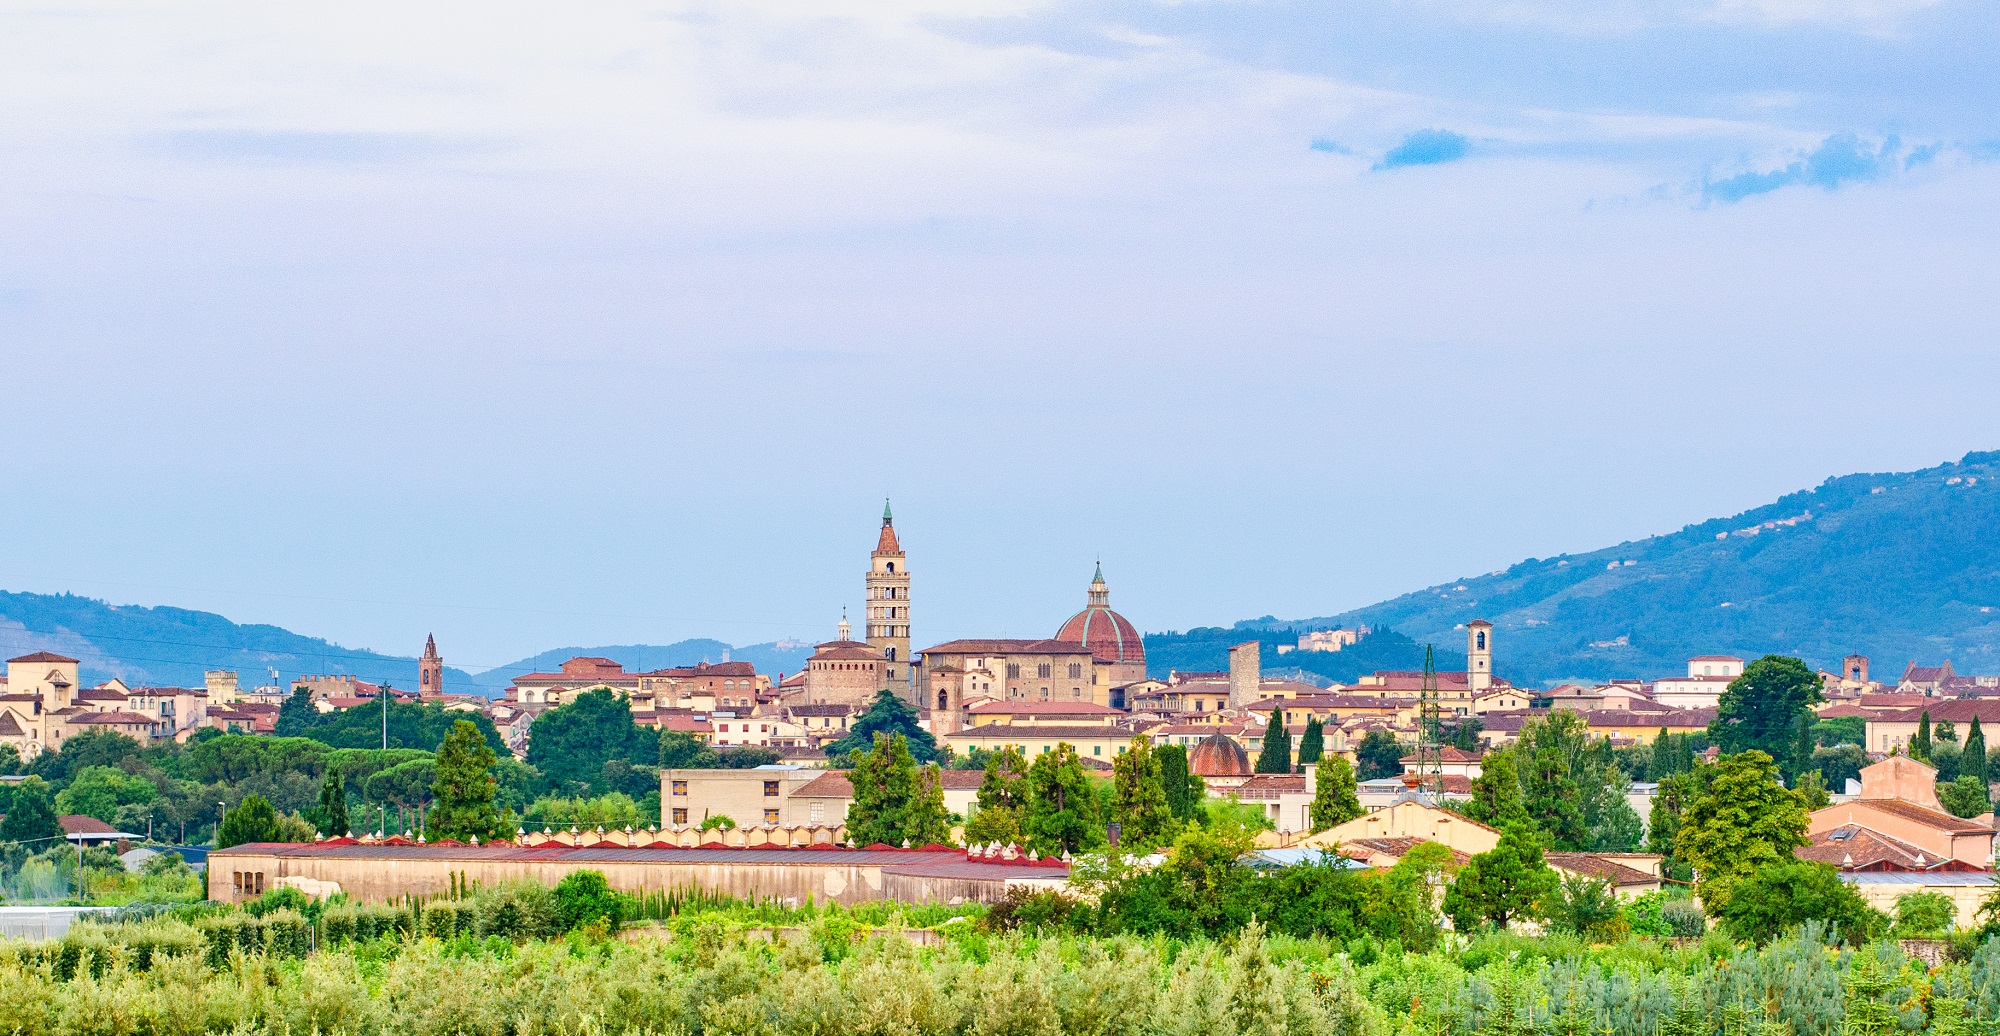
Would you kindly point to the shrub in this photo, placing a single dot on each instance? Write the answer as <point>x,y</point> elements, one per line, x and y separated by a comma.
<point>584,896</point>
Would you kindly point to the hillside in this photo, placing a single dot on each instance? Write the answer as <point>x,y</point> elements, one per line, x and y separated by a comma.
<point>172,647</point>
<point>1897,566</point>
<point>1206,649</point>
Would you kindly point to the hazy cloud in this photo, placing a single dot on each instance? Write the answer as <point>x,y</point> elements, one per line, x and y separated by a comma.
<point>299,146</point>
<point>1840,159</point>
<point>1425,147</point>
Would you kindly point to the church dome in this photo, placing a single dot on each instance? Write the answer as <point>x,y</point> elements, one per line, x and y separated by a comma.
<point>1218,756</point>
<point>1106,633</point>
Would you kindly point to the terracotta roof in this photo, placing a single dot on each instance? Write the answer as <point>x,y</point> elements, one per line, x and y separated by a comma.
<point>1604,870</point>
<point>820,710</point>
<point>74,824</point>
<point>1893,701</point>
<point>1918,814</point>
<point>1270,786</point>
<point>1044,708</point>
<point>1957,710</point>
<point>707,669</point>
<point>1218,756</point>
<point>1008,647</point>
<point>1044,732</point>
<point>581,679</point>
<point>45,656</point>
<point>98,694</point>
<point>8,727</point>
<point>1844,711</point>
<point>1852,847</point>
<point>1715,658</point>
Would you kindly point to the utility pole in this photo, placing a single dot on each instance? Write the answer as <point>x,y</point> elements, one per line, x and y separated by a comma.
<point>384,693</point>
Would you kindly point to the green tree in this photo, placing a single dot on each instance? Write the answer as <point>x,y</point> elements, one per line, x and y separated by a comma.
<point>1496,792</point>
<point>253,820</point>
<point>1184,789</point>
<point>10,760</point>
<point>1552,799</point>
<point>1335,800</point>
<point>463,788</point>
<point>90,748</point>
<point>297,715</point>
<point>1062,806</point>
<point>1276,754</point>
<point>1781,895</point>
<point>1312,743</point>
<point>102,791</point>
<point>891,715</point>
<point>1741,821</point>
<point>1762,708</point>
<point>571,743</point>
<point>406,786</point>
<point>1945,732</point>
<point>1583,906</point>
<point>685,750</point>
<point>1510,881</point>
<point>1974,765</point>
<point>894,802</point>
<point>1920,746</point>
<point>1002,800</point>
<point>1378,756</point>
<point>1924,915</point>
<point>1139,796</point>
<point>1964,797</point>
<point>31,817</point>
<point>330,816</point>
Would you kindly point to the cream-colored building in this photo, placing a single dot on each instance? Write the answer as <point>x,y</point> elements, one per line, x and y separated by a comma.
<point>1895,838</point>
<point>755,797</point>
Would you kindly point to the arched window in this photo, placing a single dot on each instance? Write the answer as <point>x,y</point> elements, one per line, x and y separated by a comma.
<point>943,699</point>
<point>892,654</point>
<point>892,566</point>
<point>1482,640</point>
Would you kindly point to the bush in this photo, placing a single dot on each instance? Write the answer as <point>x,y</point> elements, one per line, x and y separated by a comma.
<point>1923,915</point>
<point>584,896</point>
<point>1779,897</point>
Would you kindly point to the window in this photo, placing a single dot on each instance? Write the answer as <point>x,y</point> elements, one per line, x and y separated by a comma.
<point>680,817</point>
<point>1045,694</point>
<point>1076,692</point>
<point>1197,705</point>
<point>1013,670</point>
<point>680,788</point>
<point>770,818</point>
<point>1481,637</point>
<point>770,789</point>
<point>1076,670</point>
<point>943,696</point>
<point>892,566</point>
<point>816,813</point>
<point>1096,749</point>
<point>892,654</point>
<point>1042,670</point>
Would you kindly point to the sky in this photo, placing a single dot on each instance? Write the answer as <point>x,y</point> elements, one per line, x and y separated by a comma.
<point>544,324</point>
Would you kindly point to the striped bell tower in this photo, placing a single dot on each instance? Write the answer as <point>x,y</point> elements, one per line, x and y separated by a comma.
<point>889,608</point>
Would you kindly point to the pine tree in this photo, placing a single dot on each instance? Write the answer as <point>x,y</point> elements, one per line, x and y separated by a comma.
<point>1335,799</point>
<point>1184,790</point>
<point>1062,806</point>
<point>1920,746</point>
<point>1508,882</point>
<point>887,714</point>
<point>1312,743</point>
<point>1139,796</point>
<point>1276,756</point>
<point>464,787</point>
<point>927,821</point>
<point>1973,762</point>
<point>330,816</point>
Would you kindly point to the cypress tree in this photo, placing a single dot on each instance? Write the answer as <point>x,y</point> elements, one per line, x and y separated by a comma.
<point>1920,746</point>
<point>1974,760</point>
<point>1312,743</point>
<point>1276,756</point>
<point>1139,796</point>
<point>331,816</point>
<point>464,787</point>
<point>1184,790</point>
<point>1335,800</point>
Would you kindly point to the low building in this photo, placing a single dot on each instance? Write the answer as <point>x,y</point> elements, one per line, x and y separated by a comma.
<point>1892,730</point>
<point>1895,838</point>
<point>1096,742</point>
<point>375,872</point>
<point>754,797</point>
<point>826,799</point>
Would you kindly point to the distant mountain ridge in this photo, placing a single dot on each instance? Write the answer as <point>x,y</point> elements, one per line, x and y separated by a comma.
<point>173,647</point>
<point>1900,566</point>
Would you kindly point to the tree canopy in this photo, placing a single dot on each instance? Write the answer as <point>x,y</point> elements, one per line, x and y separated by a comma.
<point>1139,796</point>
<point>895,802</point>
<point>1740,819</point>
<point>571,743</point>
<point>1062,806</point>
<point>1763,708</point>
<point>463,788</point>
<point>1335,797</point>
<point>887,714</point>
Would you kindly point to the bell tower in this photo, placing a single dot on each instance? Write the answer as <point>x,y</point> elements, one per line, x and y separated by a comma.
<point>1479,655</point>
<point>430,670</point>
<point>889,608</point>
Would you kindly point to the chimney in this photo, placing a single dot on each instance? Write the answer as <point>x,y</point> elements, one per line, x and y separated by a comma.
<point>1245,673</point>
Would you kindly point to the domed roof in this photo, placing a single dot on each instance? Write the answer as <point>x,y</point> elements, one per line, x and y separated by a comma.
<point>1218,756</point>
<point>1106,633</point>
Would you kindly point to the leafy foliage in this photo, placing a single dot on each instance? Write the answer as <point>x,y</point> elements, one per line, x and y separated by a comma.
<point>888,715</point>
<point>1378,756</point>
<point>463,788</point>
<point>1782,895</point>
<point>1764,708</point>
<point>894,802</point>
<point>1062,807</point>
<point>253,820</point>
<point>1507,882</point>
<point>1335,796</point>
<point>571,744</point>
<point>1739,821</point>
<point>1139,796</point>
<point>1002,800</point>
<point>1275,756</point>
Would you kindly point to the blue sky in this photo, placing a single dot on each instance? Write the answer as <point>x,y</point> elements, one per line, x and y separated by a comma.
<point>538,324</point>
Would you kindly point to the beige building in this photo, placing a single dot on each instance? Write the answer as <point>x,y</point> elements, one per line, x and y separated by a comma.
<point>844,671</point>
<point>1892,729</point>
<point>1014,670</point>
<point>752,798</point>
<point>1097,743</point>
<point>1896,838</point>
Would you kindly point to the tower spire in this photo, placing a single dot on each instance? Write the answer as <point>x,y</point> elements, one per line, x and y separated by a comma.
<point>887,518</point>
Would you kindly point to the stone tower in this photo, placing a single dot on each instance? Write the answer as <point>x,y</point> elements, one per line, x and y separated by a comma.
<point>1479,655</point>
<point>430,670</point>
<point>889,607</point>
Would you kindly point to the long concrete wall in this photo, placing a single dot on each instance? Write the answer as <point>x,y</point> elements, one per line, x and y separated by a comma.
<point>375,879</point>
